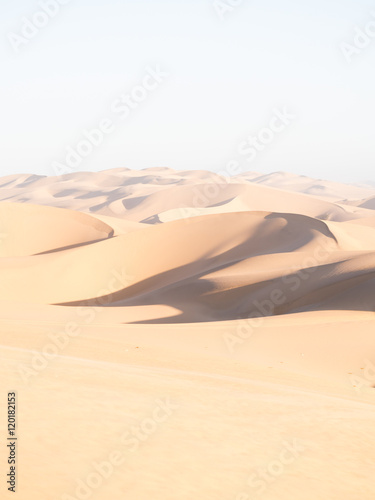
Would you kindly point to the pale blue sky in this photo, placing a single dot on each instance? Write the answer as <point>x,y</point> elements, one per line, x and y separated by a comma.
<point>226,76</point>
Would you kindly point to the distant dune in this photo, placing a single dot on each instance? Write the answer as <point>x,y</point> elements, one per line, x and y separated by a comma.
<point>368,203</point>
<point>329,190</point>
<point>142,195</point>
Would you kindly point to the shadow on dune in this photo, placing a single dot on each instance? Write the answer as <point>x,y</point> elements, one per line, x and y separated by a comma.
<point>76,245</point>
<point>201,298</point>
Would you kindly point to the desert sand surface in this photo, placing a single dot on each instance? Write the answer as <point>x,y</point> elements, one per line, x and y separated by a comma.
<point>182,335</point>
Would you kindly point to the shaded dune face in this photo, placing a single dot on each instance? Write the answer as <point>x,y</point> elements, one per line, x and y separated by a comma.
<point>216,262</point>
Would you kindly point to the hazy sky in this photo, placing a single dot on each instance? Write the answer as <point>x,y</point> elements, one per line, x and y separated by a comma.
<point>233,68</point>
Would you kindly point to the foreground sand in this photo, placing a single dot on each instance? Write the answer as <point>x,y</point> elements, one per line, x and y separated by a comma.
<point>220,349</point>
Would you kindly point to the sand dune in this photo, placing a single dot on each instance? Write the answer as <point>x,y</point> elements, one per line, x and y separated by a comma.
<point>195,246</point>
<point>143,196</point>
<point>246,302</point>
<point>333,191</point>
<point>368,203</point>
<point>183,247</point>
<point>32,229</point>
